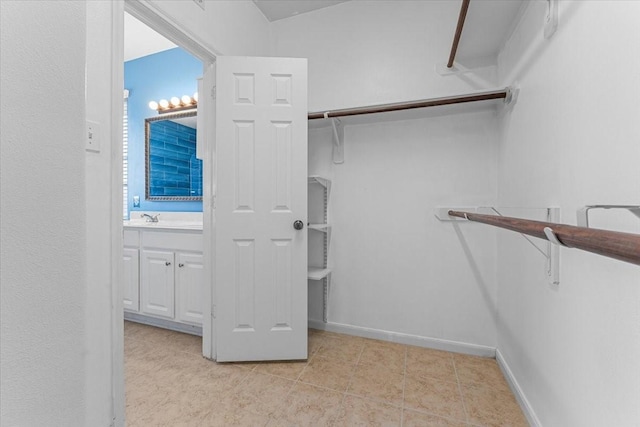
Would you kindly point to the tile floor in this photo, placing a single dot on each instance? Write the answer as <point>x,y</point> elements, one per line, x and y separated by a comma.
<point>347,381</point>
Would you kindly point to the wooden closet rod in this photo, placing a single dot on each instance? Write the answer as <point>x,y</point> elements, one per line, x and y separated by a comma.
<point>433,102</point>
<point>456,37</point>
<point>612,244</point>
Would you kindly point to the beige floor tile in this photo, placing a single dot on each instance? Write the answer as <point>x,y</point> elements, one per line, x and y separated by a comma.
<point>150,418</point>
<point>236,417</point>
<point>188,409</point>
<point>134,330</point>
<point>260,394</point>
<point>185,342</point>
<point>289,370</point>
<point>142,402</point>
<point>309,406</point>
<point>435,397</point>
<point>356,411</point>
<point>314,343</point>
<point>220,377</point>
<point>423,363</point>
<point>377,383</point>
<point>419,419</point>
<point>330,373</point>
<point>389,355</point>
<point>480,371</point>
<point>249,366</point>
<point>340,348</point>
<point>489,406</point>
<point>169,383</point>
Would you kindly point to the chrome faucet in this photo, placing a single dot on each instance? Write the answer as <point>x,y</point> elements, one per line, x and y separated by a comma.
<point>150,218</point>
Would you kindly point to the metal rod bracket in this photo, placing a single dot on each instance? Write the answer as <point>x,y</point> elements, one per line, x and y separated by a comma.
<point>338,140</point>
<point>583,213</point>
<point>512,95</point>
<point>553,247</point>
<point>552,236</point>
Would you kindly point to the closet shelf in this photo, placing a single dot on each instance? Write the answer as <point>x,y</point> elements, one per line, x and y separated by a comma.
<point>319,195</point>
<point>317,273</point>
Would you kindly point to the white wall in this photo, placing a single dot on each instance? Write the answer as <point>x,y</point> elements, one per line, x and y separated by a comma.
<point>372,52</point>
<point>103,361</point>
<point>43,257</point>
<point>573,139</point>
<point>396,268</point>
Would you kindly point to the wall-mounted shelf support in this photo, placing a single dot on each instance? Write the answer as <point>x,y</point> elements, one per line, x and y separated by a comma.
<point>583,213</point>
<point>326,183</point>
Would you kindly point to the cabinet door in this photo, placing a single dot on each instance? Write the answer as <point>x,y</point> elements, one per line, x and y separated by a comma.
<point>189,288</point>
<point>131,279</point>
<point>157,283</point>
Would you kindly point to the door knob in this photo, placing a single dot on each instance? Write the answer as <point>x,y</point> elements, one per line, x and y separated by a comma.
<point>167,263</point>
<point>298,225</point>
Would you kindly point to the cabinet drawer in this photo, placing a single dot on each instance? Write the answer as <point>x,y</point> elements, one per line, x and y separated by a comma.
<point>176,241</point>
<point>131,238</point>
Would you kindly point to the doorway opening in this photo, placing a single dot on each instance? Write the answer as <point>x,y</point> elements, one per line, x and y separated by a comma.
<point>174,62</point>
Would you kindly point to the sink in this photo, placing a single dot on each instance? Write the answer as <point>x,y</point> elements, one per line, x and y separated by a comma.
<point>166,220</point>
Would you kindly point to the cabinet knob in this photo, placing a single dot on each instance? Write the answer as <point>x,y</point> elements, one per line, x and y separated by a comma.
<point>298,225</point>
<point>181,265</point>
<point>167,263</point>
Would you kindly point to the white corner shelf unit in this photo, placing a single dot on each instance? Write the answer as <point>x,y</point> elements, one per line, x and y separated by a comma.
<point>319,271</point>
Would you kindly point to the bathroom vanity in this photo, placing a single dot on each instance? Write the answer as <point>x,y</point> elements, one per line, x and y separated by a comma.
<point>163,273</point>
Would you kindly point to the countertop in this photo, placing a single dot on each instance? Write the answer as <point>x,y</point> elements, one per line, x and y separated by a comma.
<point>166,221</point>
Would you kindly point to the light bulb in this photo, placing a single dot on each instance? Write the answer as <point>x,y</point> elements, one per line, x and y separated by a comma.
<point>164,103</point>
<point>153,105</point>
<point>195,96</point>
<point>186,100</point>
<point>175,101</point>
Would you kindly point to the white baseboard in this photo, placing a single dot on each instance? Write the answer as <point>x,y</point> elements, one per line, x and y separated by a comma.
<point>526,407</point>
<point>419,341</point>
<point>162,323</point>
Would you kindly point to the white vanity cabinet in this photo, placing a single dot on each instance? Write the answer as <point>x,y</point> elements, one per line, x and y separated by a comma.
<point>131,271</point>
<point>189,283</point>
<point>170,277</point>
<point>157,283</point>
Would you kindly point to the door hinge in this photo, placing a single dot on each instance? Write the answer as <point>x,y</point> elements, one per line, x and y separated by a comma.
<point>213,92</point>
<point>213,311</point>
<point>213,202</point>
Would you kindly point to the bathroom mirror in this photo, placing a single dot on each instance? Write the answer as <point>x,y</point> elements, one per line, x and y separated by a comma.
<point>172,170</point>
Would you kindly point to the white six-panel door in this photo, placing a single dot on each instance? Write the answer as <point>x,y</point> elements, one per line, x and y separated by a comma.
<point>261,181</point>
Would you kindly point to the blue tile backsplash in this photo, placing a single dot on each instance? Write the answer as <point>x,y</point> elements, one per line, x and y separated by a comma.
<point>175,170</point>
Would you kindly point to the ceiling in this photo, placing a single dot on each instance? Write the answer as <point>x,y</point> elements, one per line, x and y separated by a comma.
<point>280,9</point>
<point>488,24</point>
<point>140,40</point>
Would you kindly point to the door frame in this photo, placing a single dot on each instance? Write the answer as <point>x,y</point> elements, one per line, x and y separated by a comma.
<point>154,18</point>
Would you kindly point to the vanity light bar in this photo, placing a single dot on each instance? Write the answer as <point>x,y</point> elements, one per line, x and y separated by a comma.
<point>175,104</point>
